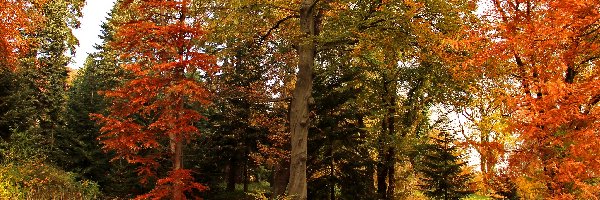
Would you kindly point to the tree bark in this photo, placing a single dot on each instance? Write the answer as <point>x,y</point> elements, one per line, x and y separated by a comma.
<point>177,151</point>
<point>387,153</point>
<point>382,171</point>
<point>281,176</point>
<point>299,116</point>
<point>246,170</point>
<point>391,157</point>
<point>232,173</point>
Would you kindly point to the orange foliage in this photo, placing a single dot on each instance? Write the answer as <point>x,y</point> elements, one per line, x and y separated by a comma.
<point>164,186</point>
<point>155,108</point>
<point>550,51</point>
<point>16,17</point>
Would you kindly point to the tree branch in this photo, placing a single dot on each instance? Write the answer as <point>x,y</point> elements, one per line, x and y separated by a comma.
<point>276,26</point>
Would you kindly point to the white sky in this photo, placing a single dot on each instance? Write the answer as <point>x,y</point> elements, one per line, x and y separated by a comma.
<point>94,13</point>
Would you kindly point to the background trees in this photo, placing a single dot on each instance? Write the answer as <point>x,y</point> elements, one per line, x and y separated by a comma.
<point>340,99</point>
<point>35,46</point>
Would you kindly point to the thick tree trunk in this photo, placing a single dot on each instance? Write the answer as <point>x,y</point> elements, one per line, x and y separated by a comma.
<point>299,116</point>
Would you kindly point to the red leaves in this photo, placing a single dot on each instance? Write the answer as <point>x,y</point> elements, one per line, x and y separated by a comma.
<point>153,110</point>
<point>178,178</point>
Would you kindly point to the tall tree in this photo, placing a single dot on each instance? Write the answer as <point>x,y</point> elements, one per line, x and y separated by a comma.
<point>550,51</point>
<point>154,114</point>
<point>39,100</point>
<point>240,106</point>
<point>340,165</point>
<point>302,97</point>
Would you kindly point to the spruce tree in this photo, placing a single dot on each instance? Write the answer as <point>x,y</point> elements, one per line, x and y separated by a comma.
<point>339,165</point>
<point>441,166</point>
<point>37,102</point>
<point>80,151</point>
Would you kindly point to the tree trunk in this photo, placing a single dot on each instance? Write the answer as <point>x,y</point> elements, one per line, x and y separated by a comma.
<point>387,153</point>
<point>382,171</point>
<point>299,116</point>
<point>391,157</point>
<point>246,170</point>
<point>331,171</point>
<point>177,143</point>
<point>177,151</point>
<point>391,167</point>
<point>232,173</point>
<point>281,176</point>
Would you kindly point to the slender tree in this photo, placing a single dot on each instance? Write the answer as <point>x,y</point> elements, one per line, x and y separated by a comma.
<point>153,115</point>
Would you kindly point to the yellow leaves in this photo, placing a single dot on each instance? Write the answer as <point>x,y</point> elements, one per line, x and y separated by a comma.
<point>530,188</point>
<point>453,43</point>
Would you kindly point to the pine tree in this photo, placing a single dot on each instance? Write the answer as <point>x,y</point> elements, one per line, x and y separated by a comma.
<point>340,166</point>
<point>441,167</point>
<point>38,100</point>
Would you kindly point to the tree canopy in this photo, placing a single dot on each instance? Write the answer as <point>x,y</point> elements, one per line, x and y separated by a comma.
<point>302,99</point>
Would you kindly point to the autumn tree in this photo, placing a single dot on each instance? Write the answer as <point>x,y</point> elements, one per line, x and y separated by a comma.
<point>18,17</point>
<point>483,122</point>
<point>403,49</point>
<point>550,51</point>
<point>154,114</point>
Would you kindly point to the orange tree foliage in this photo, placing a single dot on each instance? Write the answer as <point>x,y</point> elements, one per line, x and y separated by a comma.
<point>550,50</point>
<point>153,113</point>
<point>16,17</point>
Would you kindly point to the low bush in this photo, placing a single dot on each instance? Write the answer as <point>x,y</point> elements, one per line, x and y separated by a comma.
<point>40,181</point>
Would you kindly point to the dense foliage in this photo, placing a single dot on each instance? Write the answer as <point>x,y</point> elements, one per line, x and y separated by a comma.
<point>302,99</point>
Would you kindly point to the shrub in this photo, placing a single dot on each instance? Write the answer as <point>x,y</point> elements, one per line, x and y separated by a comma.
<point>36,180</point>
